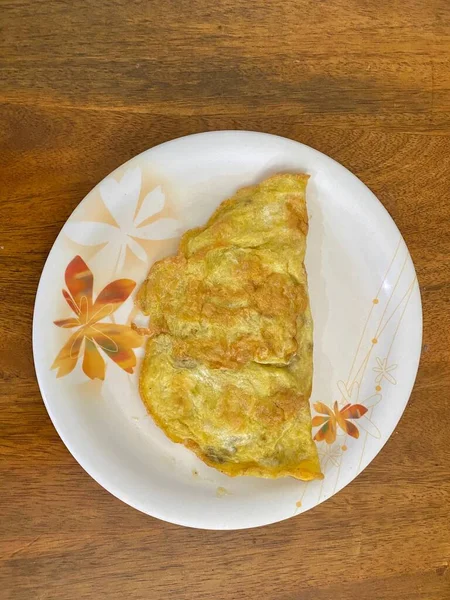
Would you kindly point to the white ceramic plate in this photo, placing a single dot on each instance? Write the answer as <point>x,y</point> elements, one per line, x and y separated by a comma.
<point>365,302</point>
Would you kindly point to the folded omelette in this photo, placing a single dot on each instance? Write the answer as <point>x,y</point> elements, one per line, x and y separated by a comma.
<point>228,365</point>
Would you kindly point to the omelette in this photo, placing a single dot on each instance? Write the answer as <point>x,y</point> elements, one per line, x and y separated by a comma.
<point>228,364</point>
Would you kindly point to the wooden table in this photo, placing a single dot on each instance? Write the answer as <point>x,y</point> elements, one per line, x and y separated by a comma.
<point>86,85</point>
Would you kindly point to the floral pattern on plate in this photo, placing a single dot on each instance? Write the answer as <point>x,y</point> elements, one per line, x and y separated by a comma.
<point>114,340</point>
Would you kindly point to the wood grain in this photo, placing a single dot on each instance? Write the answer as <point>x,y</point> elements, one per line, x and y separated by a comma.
<point>83,87</point>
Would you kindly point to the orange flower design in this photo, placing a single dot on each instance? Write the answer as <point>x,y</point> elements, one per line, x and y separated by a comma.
<point>334,417</point>
<point>116,341</point>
